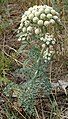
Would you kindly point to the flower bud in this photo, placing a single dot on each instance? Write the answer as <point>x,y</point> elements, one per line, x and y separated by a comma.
<point>23,19</point>
<point>35,6</point>
<point>23,38</point>
<point>55,17</point>
<point>41,10</point>
<point>52,21</point>
<point>51,51</point>
<point>40,22</point>
<point>49,54</point>
<point>41,38</point>
<point>49,16</point>
<point>53,12</point>
<point>37,31</point>
<point>49,58</point>
<point>47,42</point>
<point>30,9</point>
<point>57,13</point>
<point>42,16</point>
<point>19,39</point>
<point>29,29</point>
<point>47,11</point>
<point>27,23</point>
<point>31,16</point>
<point>43,45</point>
<point>35,19</point>
<point>53,42</point>
<point>24,29</point>
<point>45,61</point>
<point>46,23</point>
<point>37,14</point>
<point>27,13</point>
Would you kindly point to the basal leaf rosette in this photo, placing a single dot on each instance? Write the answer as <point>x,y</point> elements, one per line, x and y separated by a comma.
<point>36,20</point>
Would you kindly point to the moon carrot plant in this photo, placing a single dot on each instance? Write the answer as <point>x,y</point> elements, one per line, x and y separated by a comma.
<point>38,43</point>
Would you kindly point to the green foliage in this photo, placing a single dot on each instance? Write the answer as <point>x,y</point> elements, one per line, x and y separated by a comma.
<point>5,63</point>
<point>31,90</point>
<point>4,80</point>
<point>28,92</point>
<point>5,21</point>
<point>35,72</point>
<point>37,59</point>
<point>11,89</point>
<point>34,53</point>
<point>65,2</point>
<point>5,66</point>
<point>7,111</point>
<point>4,25</point>
<point>3,1</point>
<point>37,83</point>
<point>57,4</point>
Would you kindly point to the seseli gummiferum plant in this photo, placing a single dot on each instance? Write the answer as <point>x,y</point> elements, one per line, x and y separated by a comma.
<point>36,32</point>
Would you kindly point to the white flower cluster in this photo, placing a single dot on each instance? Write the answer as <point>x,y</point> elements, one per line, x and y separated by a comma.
<point>49,40</point>
<point>47,55</point>
<point>37,18</point>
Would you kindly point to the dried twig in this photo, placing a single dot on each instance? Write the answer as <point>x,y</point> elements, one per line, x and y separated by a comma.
<point>13,106</point>
<point>37,113</point>
<point>17,61</point>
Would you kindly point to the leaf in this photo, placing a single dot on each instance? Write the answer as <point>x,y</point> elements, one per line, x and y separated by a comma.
<point>34,53</point>
<point>20,50</point>
<point>4,79</point>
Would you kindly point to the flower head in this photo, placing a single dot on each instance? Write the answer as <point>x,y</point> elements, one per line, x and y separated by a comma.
<point>40,22</point>
<point>38,17</point>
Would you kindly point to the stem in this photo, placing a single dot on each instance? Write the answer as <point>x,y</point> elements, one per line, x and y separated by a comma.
<point>50,70</point>
<point>3,55</point>
<point>38,64</point>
